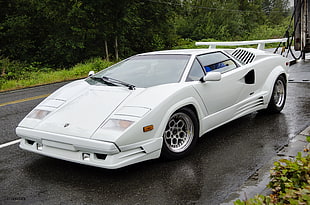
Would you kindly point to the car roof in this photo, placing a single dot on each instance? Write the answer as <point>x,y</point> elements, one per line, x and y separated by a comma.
<point>181,52</point>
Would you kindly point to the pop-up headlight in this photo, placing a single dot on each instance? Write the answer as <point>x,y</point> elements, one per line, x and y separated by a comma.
<point>38,114</point>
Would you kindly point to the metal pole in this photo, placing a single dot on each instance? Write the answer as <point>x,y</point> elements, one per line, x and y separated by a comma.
<point>297,37</point>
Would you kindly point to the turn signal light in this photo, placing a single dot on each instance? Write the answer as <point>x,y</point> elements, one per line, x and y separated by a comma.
<point>148,128</point>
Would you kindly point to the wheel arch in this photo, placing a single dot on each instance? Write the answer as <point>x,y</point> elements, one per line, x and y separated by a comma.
<point>170,154</point>
<point>278,96</point>
<point>189,103</point>
<point>271,79</point>
<point>285,77</point>
<point>193,108</point>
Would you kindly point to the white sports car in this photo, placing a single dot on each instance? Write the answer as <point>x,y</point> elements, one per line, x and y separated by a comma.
<point>153,105</point>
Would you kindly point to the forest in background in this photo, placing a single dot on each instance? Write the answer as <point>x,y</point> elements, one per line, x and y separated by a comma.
<point>58,34</point>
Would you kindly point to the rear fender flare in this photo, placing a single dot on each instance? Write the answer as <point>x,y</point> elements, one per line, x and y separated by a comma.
<point>271,79</point>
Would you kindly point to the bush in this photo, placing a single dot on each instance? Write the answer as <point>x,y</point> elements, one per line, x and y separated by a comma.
<point>267,31</point>
<point>290,183</point>
<point>94,64</point>
<point>25,76</point>
<point>190,44</point>
<point>12,69</point>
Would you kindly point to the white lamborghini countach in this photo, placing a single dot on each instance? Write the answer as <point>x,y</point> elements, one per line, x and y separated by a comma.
<point>153,105</point>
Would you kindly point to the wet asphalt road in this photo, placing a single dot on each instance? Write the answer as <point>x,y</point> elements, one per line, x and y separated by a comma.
<point>223,160</point>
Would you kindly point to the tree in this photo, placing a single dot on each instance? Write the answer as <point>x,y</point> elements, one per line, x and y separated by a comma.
<point>276,10</point>
<point>63,33</point>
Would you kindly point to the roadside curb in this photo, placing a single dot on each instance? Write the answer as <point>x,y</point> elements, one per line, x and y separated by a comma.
<point>256,184</point>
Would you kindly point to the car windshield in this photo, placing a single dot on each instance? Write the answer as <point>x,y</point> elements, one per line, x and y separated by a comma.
<point>146,70</point>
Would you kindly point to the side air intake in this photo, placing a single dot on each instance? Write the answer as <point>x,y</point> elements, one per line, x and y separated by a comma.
<point>243,56</point>
<point>250,106</point>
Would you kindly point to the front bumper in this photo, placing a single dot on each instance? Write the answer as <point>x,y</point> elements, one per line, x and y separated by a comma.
<point>87,151</point>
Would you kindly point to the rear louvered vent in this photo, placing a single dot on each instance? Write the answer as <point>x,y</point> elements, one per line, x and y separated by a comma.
<point>243,56</point>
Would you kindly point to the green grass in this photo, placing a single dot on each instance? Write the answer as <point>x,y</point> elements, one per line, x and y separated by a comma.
<point>41,78</point>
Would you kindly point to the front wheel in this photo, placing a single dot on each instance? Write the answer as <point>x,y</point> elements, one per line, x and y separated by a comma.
<point>278,96</point>
<point>181,134</point>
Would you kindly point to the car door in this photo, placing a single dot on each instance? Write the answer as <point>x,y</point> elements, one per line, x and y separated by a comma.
<point>219,97</point>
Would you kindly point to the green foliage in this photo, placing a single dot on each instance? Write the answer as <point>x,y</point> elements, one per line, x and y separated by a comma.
<point>185,44</point>
<point>12,69</point>
<point>228,20</point>
<point>290,183</point>
<point>30,75</point>
<point>290,180</point>
<point>94,64</point>
<point>257,200</point>
<point>64,33</point>
<point>267,31</point>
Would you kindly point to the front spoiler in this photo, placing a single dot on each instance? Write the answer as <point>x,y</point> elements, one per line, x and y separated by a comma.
<point>86,151</point>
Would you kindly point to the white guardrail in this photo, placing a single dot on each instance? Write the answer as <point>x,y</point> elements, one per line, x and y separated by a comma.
<point>260,43</point>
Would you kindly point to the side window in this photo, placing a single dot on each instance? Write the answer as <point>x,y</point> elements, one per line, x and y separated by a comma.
<point>223,66</point>
<point>196,72</point>
<point>217,61</point>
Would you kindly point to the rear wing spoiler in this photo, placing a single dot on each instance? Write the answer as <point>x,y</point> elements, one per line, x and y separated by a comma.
<point>260,43</point>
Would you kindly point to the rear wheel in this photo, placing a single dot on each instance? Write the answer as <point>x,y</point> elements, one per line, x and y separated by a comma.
<point>180,135</point>
<point>278,96</point>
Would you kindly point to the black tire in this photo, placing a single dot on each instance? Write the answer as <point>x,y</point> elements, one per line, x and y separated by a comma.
<point>278,97</point>
<point>180,135</point>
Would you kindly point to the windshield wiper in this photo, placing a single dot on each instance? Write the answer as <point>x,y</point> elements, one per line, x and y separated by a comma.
<point>102,80</point>
<point>113,81</point>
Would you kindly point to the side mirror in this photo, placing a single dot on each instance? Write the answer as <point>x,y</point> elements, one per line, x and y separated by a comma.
<point>91,73</point>
<point>211,76</point>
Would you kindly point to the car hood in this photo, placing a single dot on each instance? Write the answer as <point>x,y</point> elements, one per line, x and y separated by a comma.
<point>79,109</point>
<point>84,110</point>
